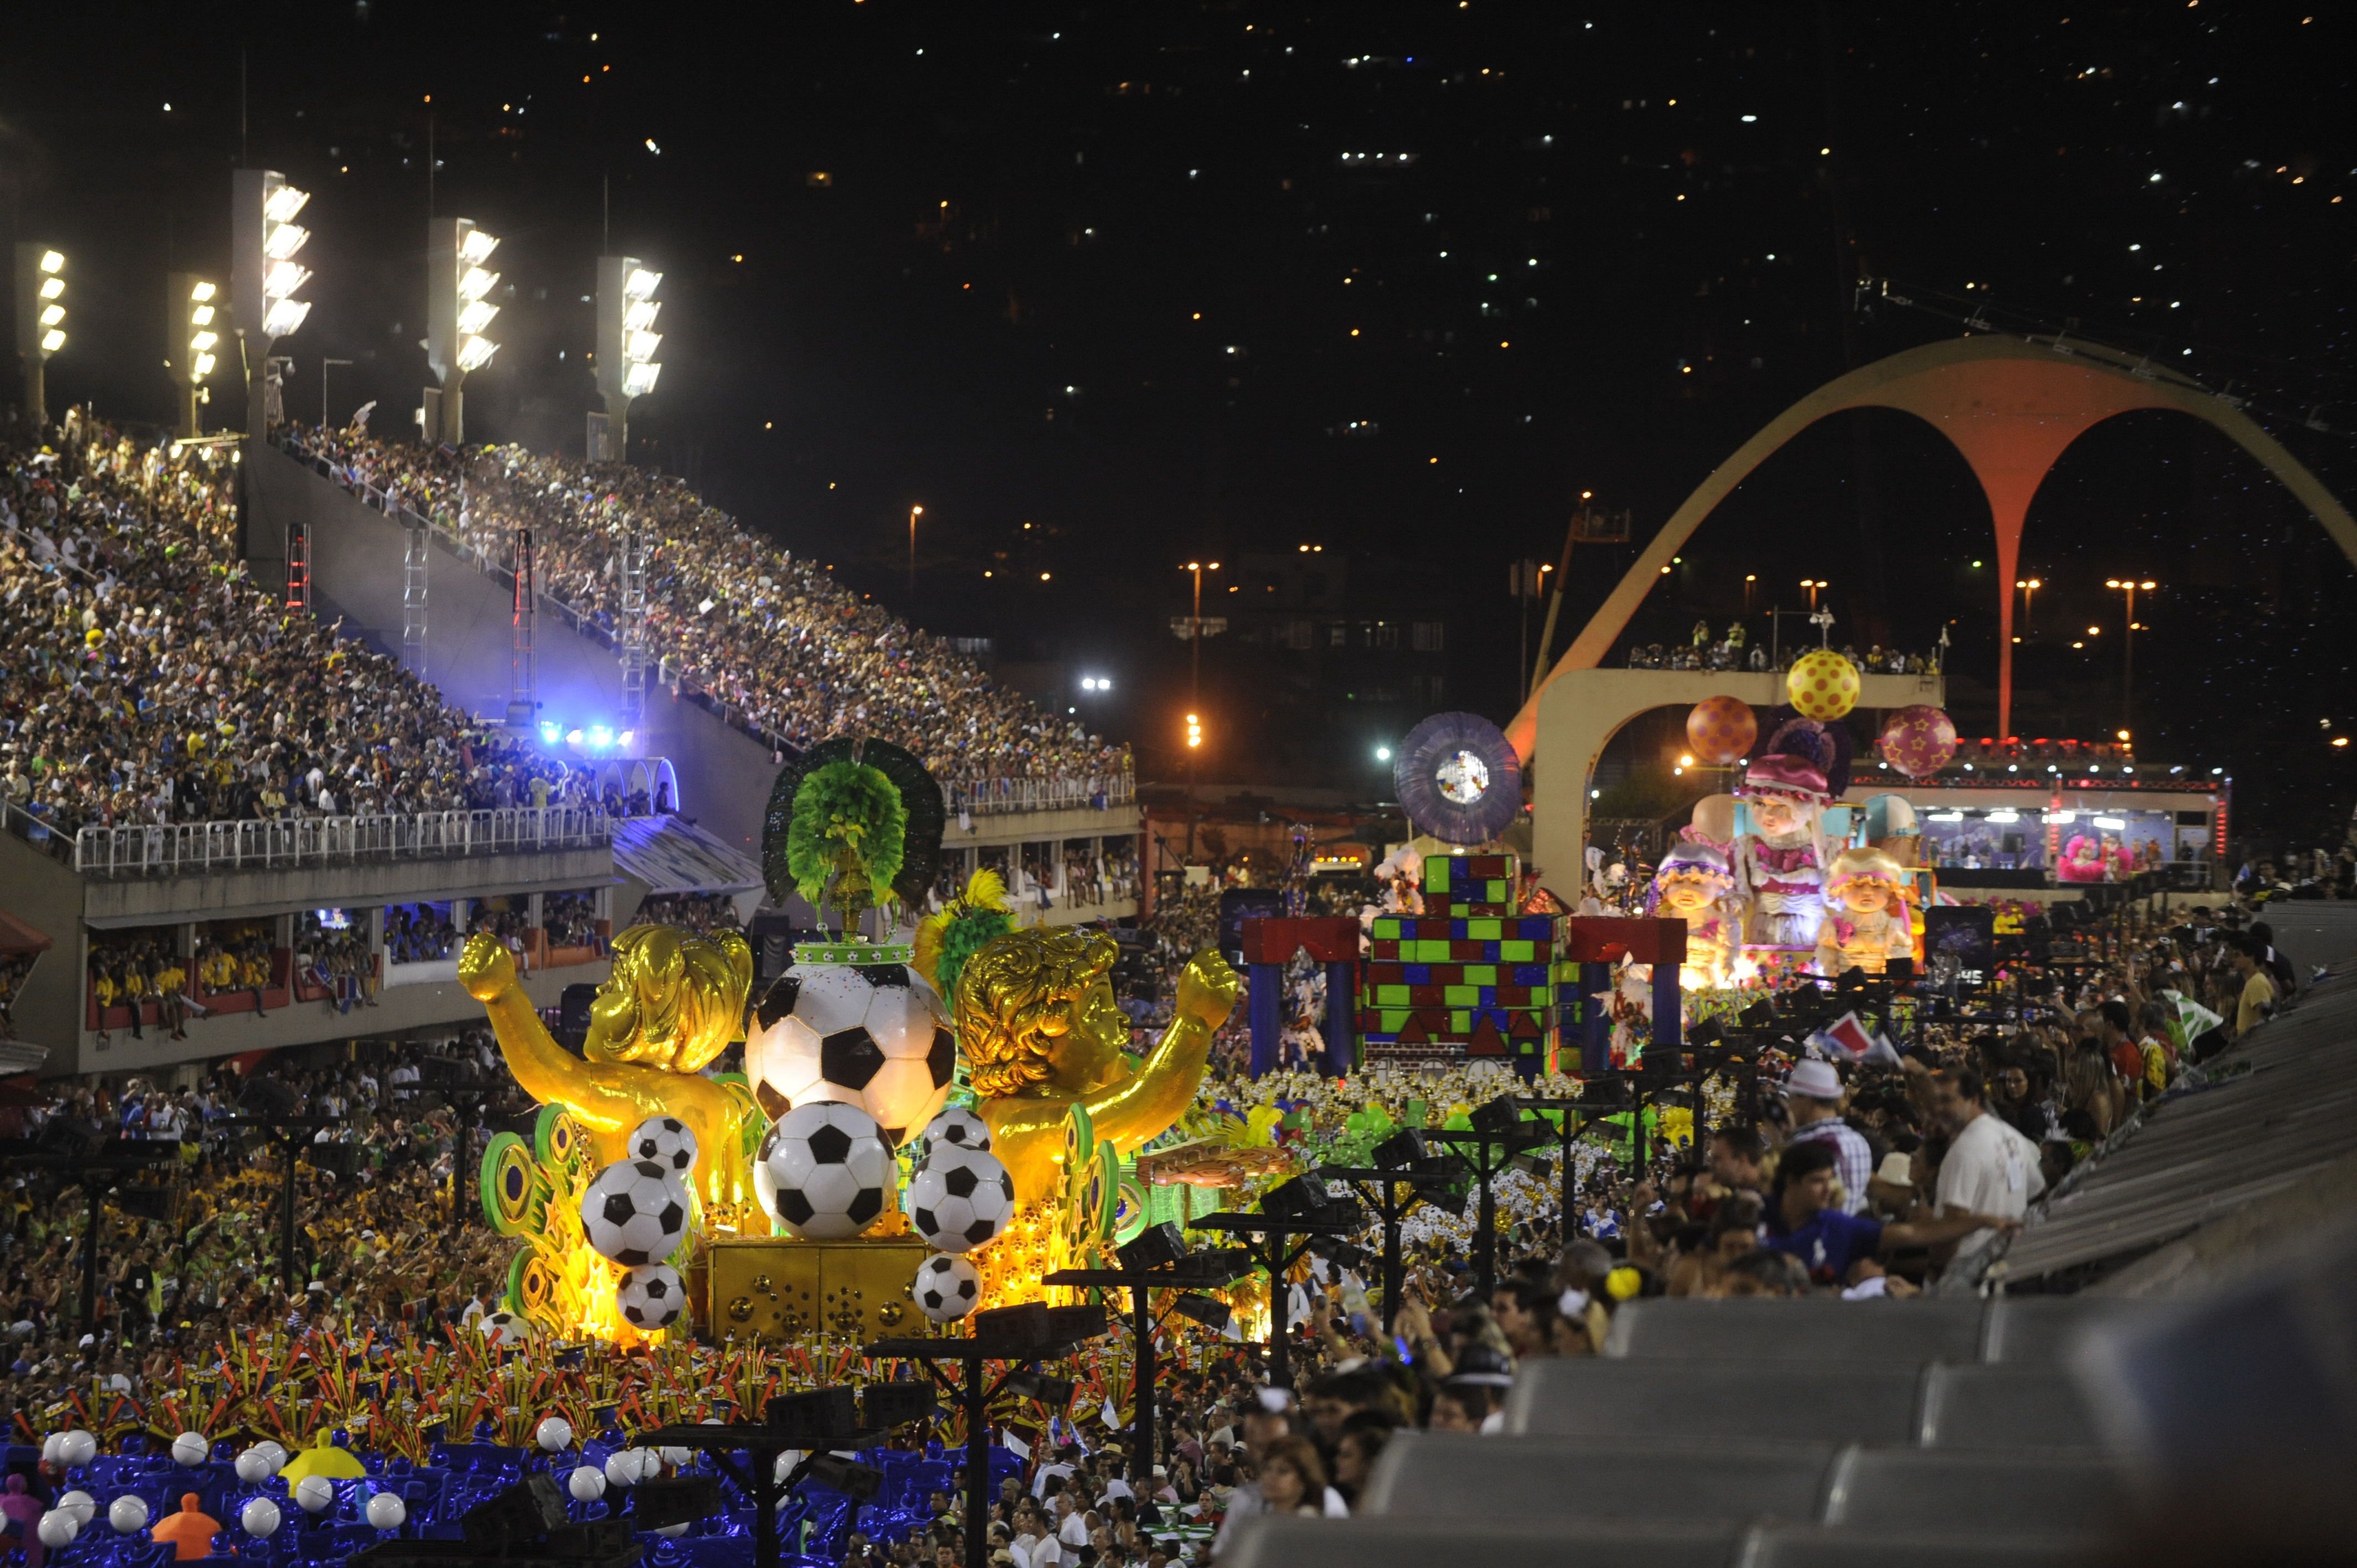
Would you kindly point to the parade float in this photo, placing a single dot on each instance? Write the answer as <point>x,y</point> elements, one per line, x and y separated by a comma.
<point>921,1128</point>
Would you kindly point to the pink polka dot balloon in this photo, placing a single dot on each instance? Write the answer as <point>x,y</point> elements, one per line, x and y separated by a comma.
<point>1721,730</point>
<point>1919,741</point>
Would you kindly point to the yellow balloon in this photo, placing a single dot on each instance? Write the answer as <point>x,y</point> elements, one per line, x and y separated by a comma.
<point>1822,684</point>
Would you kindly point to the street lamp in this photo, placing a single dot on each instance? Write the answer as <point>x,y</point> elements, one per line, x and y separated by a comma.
<point>458,312</point>
<point>1814,584</point>
<point>2131,587</point>
<point>2029,587</point>
<point>40,320</point>
<point>914,513</point>
<point>192,307</point>
<point>627,341</point>
<point>263,277</point>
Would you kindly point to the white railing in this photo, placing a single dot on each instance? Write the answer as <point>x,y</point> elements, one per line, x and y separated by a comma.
<point>987,797</point>
<point>168,849</point>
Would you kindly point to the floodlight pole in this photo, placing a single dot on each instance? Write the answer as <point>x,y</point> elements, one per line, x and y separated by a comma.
<point>1141,1284</point>
<point>1380,1191</point>
<point>762,1444</point>
<point>100,1174</point>
<point>292,1133</point>
<point>1566,1135</point>
<point>1485,1168</point>
<point>973,1396</point>
<point>1267,1237</point>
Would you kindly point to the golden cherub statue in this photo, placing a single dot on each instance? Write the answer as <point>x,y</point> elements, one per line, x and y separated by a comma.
<point>1039,1030</point>
<point>673,1003</point>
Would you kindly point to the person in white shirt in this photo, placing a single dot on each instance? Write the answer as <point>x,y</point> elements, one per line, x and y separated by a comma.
<point>1071,1529</point>
<point>1035,1544</point>
<point>1990,1168</point>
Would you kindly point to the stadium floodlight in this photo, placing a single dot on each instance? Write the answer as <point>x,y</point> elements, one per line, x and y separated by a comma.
<point>458,311</point>
<point>626,347</point>
<point>193,335</point>
<point>264,278</point>
<point>40,319</point>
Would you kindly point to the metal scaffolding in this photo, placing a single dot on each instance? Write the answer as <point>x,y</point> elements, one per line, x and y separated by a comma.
<point>633,629</point>
<point>416,547</point>
<point>298,566</point>
<point>524,691</point>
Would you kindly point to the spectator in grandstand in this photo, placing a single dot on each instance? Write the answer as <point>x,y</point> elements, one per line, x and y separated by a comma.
<point>1814,1095</point>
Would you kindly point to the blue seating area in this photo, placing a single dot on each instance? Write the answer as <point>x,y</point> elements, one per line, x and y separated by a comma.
<point>814,1523</point>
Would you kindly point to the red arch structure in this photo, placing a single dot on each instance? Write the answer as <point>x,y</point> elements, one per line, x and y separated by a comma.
<point>2010,406</point>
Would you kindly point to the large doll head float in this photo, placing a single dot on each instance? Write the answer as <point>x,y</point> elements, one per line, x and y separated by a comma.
<point>1785,792</point>
<point>1690,876</point>
<point>1864,880</point>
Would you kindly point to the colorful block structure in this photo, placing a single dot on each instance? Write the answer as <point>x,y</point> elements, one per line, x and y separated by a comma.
<point>1469,977</point>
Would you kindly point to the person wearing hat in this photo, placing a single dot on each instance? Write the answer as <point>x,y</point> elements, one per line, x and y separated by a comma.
<point>1472,1398</point>
<point>1813,1096</point>
<point>1802,1220</point>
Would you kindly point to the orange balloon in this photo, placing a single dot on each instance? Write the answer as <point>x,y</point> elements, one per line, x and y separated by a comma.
<point>1720,730</point>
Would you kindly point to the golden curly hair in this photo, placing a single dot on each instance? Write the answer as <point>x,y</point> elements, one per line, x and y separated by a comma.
<point>674,1001</point>
<point>1016,999</point>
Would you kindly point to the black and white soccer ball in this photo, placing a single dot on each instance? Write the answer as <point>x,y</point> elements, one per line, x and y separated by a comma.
<point>503,1327</point>
<point>635,1212</point>
<point>961,1199</point>
<point>651,1297</point>
<point>823,1171</point>
<point>666,1140</point>
<point>946,1288</point>
<point>962,1128</point>
<point>871,1034</point>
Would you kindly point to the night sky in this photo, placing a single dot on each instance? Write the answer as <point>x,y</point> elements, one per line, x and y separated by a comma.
<point>1162,281</point>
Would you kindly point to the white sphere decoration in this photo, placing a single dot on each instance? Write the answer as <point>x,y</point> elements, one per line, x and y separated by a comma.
<point>259,1519</point>
<point>946,1287</point>
<point>386,1511</point>
<point>77,1448</point>
<point>667,1141</point>
<point>127,1514</point>
<point>58,1528</point>
<point>823,1171</point>
<point>315,1494</point>
<point>253,1467</point>
<point>963,1128</point>
<point>50,1448</point>
<point>635,1212</point>
<point>80,1503</point>
<point>624,1466</point>
<point>587,1483</point>
<point>273,1454</point>
<point>677,1458</point>
<point>873,1035</point>
<point>190,1449</point>
<point>555,1434</point>
<point>962,1198</point>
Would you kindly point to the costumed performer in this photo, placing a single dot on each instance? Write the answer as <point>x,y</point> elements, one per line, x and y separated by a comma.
<point>2083,861</point>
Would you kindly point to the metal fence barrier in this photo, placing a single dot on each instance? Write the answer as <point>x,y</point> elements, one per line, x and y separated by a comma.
<point>169,849</point>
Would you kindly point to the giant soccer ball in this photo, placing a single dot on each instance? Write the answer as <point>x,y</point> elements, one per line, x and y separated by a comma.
<point>962,1198</point>
<point>635,1212</point>
<point>823,1171</point>
<point>871,1034</point>
<point>946,1287</point>
<point>962,1128</point>
<point>651,1297</point>
<point>665,1140</point>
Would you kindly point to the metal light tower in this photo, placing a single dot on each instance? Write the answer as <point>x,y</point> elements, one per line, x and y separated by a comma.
<point>40,321</point>
<point>192,332</point>
<point>456,312</point>
<point>264,275</point>
<point>627,341</point>
<point>2131,587</point>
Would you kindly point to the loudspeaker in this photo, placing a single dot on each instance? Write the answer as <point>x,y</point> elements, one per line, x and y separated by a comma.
<point>70,1137</point>
<point>1210,1311</point>
<point>883,1406</point>
<point>269,1099</point>
<point>1404,1150</point>
<point>814,1419</point>
<point>1153,1247</point>
<point>1023,1328</point>
<point>679,1500</point>
<point>144,1202</point>
<point>1303,1194</point>
<point>516,1517</point>
<point>337,1159</point>
<point>1069,1324</point>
